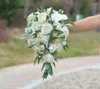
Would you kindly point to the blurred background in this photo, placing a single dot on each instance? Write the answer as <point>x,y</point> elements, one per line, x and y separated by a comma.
<point>14,51</point>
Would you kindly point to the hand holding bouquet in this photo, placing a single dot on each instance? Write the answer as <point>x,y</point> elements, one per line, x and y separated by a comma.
<point>46,34</point>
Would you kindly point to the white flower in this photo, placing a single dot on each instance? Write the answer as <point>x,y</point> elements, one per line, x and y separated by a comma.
<point>57,17</point>
<point>66,31</point>
<point>58,44</point>
<point>43,38</point>
<point>52,48</point>
<point>36,26</point>
<point>46,28</point>
<point>42,17</point>
<point>49,58</point>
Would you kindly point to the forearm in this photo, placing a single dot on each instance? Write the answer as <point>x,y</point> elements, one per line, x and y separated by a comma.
<point>89,23</point>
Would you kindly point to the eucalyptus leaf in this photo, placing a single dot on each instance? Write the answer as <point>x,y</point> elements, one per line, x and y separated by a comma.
<point>64,47</point>
<point>67,45</point>
<point>51,12</point>
<point>69,21</point>
<point>43,66</point>
<point>48,66</point>
<point>45,75</point>
<point>35,60</point>
<point>50,71</point>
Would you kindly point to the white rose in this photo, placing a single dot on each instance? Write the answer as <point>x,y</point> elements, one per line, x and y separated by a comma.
<point>66,31</point>
<point>36,26</point>
<point>58,45</point>
<point>43,38</point>
<point>42,17</point>
<point>49,58</point>
<point>46,28</point>
<point>52,48</point>
<point>56,17</point>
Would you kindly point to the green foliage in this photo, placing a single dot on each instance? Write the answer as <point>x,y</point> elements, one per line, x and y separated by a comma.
<point>48,70</point>
<point>8,9</point>
<point>41,9</point>
<point>85,7</point>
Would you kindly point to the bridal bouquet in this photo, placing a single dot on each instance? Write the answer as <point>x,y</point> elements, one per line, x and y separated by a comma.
<point>46,34</point>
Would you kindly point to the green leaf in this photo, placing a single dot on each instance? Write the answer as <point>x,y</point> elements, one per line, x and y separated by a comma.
<point>61,11</point>
<point>41,9</point>
<point>43,66</point>
<point>47,66</point>
<point>44,51</point>
<point>69,21</point>
<point>64,48</point>
<point>59,32</point>
<point>45,75</point>
<point>35,60</point>
<point>55,56</point>
<point>51,12</point>
<point>39,58</point>
<point>50,71</point>
<point>30,46</point>
<point>67,45</point>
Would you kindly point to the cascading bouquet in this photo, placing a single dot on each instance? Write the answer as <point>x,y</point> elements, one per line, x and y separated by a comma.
<point>46,34</point>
